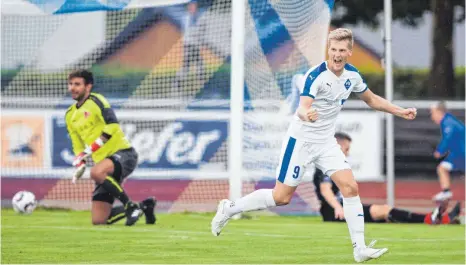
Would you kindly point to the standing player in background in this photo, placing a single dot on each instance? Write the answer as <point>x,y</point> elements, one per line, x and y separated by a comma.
<point>451,147</point>
<point>310,139</point>
<point>331,208</point>
<point>94,132</point>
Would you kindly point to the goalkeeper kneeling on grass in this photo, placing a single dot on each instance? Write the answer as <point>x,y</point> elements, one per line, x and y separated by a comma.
<point>94,132</point>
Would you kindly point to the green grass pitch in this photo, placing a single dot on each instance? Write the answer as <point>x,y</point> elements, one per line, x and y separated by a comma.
<point>68,237</point>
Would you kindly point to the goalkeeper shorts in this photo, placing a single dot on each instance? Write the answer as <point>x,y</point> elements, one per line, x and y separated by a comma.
<point>125,162</point>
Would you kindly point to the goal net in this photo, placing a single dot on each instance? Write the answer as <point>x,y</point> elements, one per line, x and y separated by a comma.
<point>165,68</point>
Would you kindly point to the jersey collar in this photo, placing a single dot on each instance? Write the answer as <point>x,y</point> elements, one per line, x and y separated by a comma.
<point>78,106</point>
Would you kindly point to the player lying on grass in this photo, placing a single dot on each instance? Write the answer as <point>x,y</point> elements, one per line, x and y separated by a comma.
<point>310,140</point>
<point>94,132</point>
<point>451,147</point>
<point>332,210</point>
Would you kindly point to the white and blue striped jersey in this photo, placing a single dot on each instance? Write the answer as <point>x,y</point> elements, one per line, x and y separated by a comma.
<point>329,93</point>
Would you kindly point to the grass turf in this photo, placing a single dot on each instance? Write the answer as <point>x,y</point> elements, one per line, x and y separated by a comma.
<point>68,237</point>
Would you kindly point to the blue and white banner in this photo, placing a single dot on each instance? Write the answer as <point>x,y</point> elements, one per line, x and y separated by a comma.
<point>189,144</point>
<point>162,143</point>
<point>52,7</point>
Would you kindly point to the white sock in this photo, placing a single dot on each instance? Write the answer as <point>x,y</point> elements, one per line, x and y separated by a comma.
<point>257,200</point>
<point>354,216</point>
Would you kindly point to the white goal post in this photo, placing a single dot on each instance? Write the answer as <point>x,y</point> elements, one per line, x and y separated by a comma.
<point>235,155</point>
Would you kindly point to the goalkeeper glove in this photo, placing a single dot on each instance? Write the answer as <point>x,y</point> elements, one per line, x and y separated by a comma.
<point>79,172</point>
<point>80,160</point>
<point>87,152</point>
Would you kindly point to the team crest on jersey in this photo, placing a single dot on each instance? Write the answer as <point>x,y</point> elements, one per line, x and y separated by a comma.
<point>347,84</point>
<point>86,114</point>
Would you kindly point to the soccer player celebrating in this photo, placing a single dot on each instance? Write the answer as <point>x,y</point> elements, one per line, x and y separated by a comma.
<point>310,139</point>
<point>94,132</point>
<point>331,208</point>
<point>451,147</point>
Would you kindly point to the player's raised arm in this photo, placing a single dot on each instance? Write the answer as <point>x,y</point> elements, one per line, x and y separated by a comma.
<point>378,103</point>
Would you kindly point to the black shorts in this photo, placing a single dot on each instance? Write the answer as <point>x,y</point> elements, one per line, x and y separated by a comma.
<point>124,162</point>
<point>328,214</point>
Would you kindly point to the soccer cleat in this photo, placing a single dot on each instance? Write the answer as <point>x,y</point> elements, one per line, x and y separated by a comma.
<point>221,218</point>
<point>455,213</point>
<point>367,253</point>
<point>437,215</point>
<point>148,206</point>
<point>443,196</point>
<point>132,212</point>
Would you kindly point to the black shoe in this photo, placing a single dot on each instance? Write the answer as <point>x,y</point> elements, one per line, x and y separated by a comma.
<point>455,213</point>
<point>148,207</point>
<point>133,212</point>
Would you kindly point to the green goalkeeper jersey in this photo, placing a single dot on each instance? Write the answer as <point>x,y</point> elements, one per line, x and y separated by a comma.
<point>89,121</point>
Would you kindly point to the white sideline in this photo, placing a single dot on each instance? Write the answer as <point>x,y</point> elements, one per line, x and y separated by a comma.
<point>241,232</point>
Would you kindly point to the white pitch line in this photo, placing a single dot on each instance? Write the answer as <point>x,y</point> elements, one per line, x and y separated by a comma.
<point>242,232</point>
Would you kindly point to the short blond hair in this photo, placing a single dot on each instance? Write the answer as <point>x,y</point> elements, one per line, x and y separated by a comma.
<point>341,34</point>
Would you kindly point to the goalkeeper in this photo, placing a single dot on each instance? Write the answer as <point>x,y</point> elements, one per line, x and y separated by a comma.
<point>94,132</point>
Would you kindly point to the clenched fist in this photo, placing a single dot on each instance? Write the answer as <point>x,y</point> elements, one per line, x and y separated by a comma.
<point>312,115</point>
<point>409,113</point>
<point>309,115</point>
